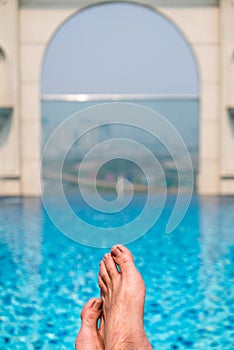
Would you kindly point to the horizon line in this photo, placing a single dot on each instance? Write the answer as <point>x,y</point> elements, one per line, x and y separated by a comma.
<point>115,97</point>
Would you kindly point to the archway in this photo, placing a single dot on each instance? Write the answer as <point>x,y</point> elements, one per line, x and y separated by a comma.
<point>98,87</point>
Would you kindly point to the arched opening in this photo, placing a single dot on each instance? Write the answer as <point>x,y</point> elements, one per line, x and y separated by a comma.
<point>120,52</point>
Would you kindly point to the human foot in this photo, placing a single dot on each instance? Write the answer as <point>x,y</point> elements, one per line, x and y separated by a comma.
<point>123,295</point>
<point>89,336</point>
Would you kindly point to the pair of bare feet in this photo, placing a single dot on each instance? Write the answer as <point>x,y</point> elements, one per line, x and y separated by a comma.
<point>115,322</point>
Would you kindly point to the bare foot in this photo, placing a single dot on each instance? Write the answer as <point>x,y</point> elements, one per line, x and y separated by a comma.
<point>123,295</point>
<point>89,336</point>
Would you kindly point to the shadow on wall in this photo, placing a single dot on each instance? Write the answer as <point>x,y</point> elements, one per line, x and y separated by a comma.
<point>5,109</point>
<point>231,119</point>
<point>5,124</point>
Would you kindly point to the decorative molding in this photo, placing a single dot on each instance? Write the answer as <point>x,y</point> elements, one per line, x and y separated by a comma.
<point>227,176</point>
<point>82,3</point>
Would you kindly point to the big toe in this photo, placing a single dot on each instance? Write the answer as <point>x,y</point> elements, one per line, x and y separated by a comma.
<point>122,257</point>
<point>91,312</point>
<point>88,337</point>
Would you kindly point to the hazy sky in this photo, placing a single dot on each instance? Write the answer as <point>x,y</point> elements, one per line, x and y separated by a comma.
<point>119,48</point>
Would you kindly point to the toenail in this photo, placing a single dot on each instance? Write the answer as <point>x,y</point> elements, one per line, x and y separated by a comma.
<point>115,251</point>
<point>93,303</point>
<point>96,302</point>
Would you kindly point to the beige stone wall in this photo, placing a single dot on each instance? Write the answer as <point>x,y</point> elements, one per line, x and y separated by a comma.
<point>200,27</point>
<point>227,96</point>
<point>208,31</point>
<point>9,98</point>
<point>36,28</point>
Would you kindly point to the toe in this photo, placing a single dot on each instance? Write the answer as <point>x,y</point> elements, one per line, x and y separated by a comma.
<point>104,275</point>
<point>110,267</point>
<point>89,336</point>
<point>102,327</point>
<point>122,256</point>
<point>91,312</point>
<point>102,286</point>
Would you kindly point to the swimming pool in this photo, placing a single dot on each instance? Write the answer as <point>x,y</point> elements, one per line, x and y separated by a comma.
<point>46,278</point>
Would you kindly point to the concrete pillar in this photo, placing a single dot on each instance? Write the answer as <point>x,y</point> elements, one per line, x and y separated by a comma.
<point>227,96</point>
<point>200,27</point>
<point>36,28</point>
<point>9,99</point>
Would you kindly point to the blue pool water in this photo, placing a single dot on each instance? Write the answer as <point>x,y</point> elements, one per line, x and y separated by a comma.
<point>45,278</point>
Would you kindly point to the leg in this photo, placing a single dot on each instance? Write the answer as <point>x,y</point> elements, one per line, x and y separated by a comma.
<point>123,295</point>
